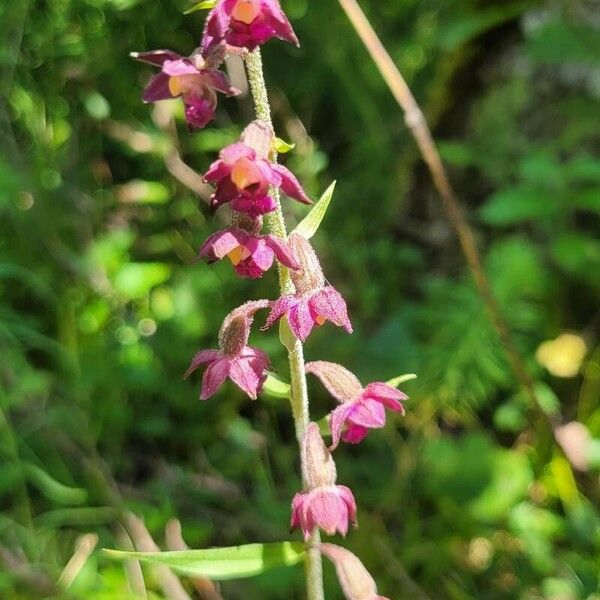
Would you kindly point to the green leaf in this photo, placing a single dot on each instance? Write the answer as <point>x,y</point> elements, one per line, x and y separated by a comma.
<point>396,381</point>
<point>52,489</point>
<point>583,168</point>
<point>309,225</point>
<point>221,564</point>
<point>204,5</point>
<point>516,205</point>
<point>587,199</point>
<point>282,146</point>
<point>562,42</point>
<point>275,387</point>
<point>465,27</point>
<point>577,254</point>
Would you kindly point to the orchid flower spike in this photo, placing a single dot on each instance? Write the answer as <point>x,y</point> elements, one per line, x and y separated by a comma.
<point>246,24</point>
<point>356,581</point>
<point>244,365</point>
<point>324,504</point>
<point>242,175</point>
<point>193,79</point>
<point>361,408</point>
<point>314,302</point>
<point>250,254</point>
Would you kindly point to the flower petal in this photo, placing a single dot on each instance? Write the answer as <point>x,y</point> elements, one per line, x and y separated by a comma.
<point>155,57</point>
<point>387,395</point>
<point>328,510</point>
<point>217,24</point>
<point>300,319</point>
<point>219,81</point>
<point>181,66</point>
<point>341,383</point>
<point>337,421</point>
<point>367,413</point>
<point>279,307</point>
<point>279,22</point>
<point>234,152</point>
<point>157,89</point>
<point>199,111</point>
<point>348,497</point>
<point>329,303</point>
<point>213,378</point>
<point>202,357</point>
<point>297,509</point>
<point>218,170</point>
<point>290,185</point>
<point>262,254</point>
<point>247,375</point>
<point>354,434</point>
<point>221,243</point>
<point>225,192</point>
<point>282,251</point>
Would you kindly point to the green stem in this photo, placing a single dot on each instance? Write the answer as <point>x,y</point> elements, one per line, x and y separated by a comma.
<point>275,222</point>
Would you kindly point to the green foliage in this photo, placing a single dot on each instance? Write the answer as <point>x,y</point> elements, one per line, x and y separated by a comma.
<point>311,222</point>
<point>102,305</point>
<point>222,563</point>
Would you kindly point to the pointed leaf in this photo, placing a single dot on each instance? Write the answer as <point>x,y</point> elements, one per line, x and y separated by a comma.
<point>205,5</point>
<point>396,381</point>
<point>309,225</point>
<point>275,387</point>
<point>281,146</point>
<point>220,564</point>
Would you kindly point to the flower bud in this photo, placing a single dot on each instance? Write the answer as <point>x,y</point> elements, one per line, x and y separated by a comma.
<point>234,337</point>
<point>318,462</point>
<point>235,330</point>
<point>310,275</point>
<point>356,581</point>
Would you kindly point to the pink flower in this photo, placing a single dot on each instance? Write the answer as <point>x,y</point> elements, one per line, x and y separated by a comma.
<point>361,408</point>
<point>246,24</point>
<point>356,581</point>
<point>243,178</point>
<point>325,505</point>
<point>250,254</point>
<point>244,365</point>
<point>314,303</point>
<point>331,509</point>
<point>304,311</point>
<point>188,78</point>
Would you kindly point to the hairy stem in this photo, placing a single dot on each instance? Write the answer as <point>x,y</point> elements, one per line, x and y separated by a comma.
<point>275,222</point>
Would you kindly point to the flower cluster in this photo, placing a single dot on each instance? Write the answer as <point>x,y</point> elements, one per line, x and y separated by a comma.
<point>247,178</point>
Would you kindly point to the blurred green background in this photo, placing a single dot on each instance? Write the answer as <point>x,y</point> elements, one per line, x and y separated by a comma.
<point>467,497</point>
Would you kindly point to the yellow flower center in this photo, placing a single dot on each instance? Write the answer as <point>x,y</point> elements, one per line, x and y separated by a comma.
<point>246,11</point>
<point>182,84</point>
<point>320,320</point>
<point>175,85</point>
<point>244,174</point>
<point>238,254</point>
